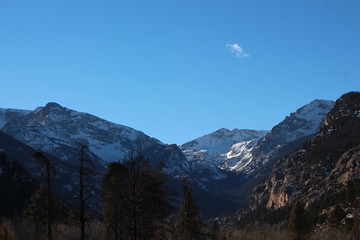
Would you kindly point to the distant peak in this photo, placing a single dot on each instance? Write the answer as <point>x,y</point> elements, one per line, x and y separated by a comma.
<point>53,105</point>
<point>223,130</point>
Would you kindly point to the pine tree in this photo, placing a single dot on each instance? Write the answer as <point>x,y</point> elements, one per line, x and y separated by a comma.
<point>47,175</point>
<point>135,198</point>
<point>113,197</point>
<point>37,211</point>
<point>146,196</point>
<point>16,187</point>
<point>188,222</point>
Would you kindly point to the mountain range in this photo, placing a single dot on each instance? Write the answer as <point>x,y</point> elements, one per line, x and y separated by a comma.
<point>223,167</point>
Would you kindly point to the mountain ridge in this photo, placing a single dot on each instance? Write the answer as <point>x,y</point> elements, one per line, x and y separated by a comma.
<point>57,129</point>
<point>220,165</point>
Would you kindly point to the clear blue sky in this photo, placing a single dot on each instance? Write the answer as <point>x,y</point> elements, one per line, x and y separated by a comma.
<point>179,69</point>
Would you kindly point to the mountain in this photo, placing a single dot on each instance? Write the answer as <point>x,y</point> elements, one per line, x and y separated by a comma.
<point>223,149</point>
<point>325,170</point>
<point>232,162</point>
<point>223,166</point>
<point>289,134</point>
<point>58,130</point>
<point>246,150</point>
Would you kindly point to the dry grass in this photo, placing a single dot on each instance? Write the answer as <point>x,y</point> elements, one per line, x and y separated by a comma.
<point>94,231</point>
<point>280,232</point>
<point>257,232</point>
<point>332,234</point>
<point>22,230</point>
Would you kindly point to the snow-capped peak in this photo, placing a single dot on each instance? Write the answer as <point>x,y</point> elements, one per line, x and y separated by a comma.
<point>222,148</point>
<point>245,150</point>
<point>303,122</point>
<point>58,130</point>
<point>315,110</point>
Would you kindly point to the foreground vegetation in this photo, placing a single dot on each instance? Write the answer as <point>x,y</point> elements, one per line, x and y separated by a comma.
<point>18,229</point>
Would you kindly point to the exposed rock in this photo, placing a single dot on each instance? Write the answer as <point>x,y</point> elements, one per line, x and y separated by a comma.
<point>326,164</point>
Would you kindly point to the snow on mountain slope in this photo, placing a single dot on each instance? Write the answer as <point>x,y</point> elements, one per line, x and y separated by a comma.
<point>305,121</point>
<point>246,150</point>
<point>289,134</point>
<point>222,149</point>
<point>10,114</point>
<point>58,130</point>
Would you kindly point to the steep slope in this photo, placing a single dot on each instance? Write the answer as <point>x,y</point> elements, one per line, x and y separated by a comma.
<point>57,130</point>
<point>290,133</point>
<point>66,179</point>
<point>283,139</point>
<point>327,164</point>
<point>223,149</point>
<point>7,115</point>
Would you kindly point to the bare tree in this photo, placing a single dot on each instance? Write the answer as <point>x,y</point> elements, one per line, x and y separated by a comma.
<point>86,167</point>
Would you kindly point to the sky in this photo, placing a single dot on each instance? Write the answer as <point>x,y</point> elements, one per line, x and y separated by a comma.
<point>179,69</point>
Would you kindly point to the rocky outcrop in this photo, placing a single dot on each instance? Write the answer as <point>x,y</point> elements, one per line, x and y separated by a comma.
<point>326,164</point>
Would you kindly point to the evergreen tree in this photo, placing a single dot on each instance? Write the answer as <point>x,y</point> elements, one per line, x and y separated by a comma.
<point>298,222</point>
<point>37,210</point>
<point>188,223</point>
<point>47,176</point>
<point>113,193</point>
<point>135,198</point>
<point>16,187</point>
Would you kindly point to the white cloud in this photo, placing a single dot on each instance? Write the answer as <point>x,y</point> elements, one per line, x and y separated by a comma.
<point>237,49</point>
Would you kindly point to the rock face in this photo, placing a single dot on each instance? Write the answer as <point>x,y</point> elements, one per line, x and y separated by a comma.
<point>326,164</point>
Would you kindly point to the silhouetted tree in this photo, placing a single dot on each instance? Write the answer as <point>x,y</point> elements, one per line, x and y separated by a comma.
<point>47,175</point>
<point>16,187</point>
<point>86,167</point>
<point>113,194</point>
<point>37,210</point>
<point>135,198</point>
<point>188,222</point>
